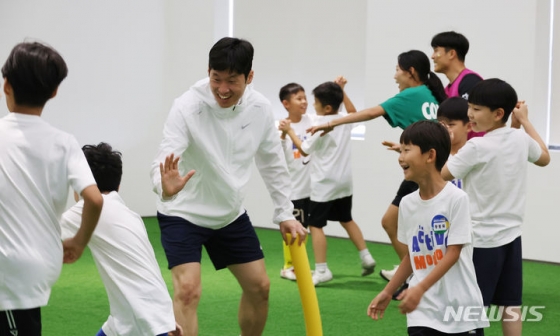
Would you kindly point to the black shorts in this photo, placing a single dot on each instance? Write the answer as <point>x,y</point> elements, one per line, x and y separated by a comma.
<point>406,187</point>
<point>301,210</point>
<point>499,273</point>
<point>236,243</point>
<point>338,210</point>
<point>425,331</point>
<point>24,322</point>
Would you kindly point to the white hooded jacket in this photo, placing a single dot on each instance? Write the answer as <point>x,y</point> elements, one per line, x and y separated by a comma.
<point>220,144</point>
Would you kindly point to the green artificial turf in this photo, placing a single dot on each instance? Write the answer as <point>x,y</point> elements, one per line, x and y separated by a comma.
<point>78,304</point>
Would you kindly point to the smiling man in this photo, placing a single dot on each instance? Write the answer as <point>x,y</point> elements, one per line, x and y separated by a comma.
<point>450,50</point>
<point>212,135</point>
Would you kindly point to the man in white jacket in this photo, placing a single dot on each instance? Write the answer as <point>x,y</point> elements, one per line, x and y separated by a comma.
<point>213,133</point>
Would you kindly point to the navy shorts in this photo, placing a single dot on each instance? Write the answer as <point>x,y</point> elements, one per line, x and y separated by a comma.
<point>338,210</point>
<point>406,187</point>
<point>102,333</point>
<point>301,210</point>
<point>499,273</point>
<point>236,243</point>
<point>425,331</point>
<point>20,322</point>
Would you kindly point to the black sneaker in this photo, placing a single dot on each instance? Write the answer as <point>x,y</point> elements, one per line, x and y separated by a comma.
<point>400,290</point>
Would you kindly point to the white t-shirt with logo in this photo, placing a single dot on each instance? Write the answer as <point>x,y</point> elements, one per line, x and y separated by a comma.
<point>331,169</point>
<point>494,171</point>
<point>298,164</point>
<point>428,227</point>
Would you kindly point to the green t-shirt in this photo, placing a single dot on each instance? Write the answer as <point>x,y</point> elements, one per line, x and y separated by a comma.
<point>409,106</point>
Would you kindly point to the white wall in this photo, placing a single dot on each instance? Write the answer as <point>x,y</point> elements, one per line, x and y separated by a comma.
<point>129,59</point>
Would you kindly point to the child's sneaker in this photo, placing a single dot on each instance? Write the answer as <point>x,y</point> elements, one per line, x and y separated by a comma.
<point>319,277</point>
<point>288,273</point>
<point>388,274</point>
<point>368,265</point>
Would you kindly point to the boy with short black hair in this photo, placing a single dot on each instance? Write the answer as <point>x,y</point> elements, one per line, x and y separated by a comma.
<point>452,112</point>
<point>434,223</point>
<point>331,180</point>
<point>139,301</point>
<point>294,100</point>
<point>37,165</point>
<point>494,169</point>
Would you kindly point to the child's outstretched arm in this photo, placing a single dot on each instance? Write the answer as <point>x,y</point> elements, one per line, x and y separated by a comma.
<point>521,114</point>
<point>363,115</point>
<point>348,105</point>
<point>411,297</point>
<point>93,203</point>
<point>394,146</point>
<point>377,307</point>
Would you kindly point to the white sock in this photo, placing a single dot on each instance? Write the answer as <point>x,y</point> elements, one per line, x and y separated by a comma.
<point>365,255</point>
<point>321,267</point>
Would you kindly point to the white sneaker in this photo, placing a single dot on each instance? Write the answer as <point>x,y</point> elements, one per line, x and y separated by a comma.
<point>319,277</point>
<point>288,273</point>
<point>368,265</point>
<point>388,275</point>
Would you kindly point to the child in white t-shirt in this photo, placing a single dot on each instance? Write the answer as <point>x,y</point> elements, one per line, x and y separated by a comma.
<point>294,100</point>
<point>434,223</point>
<point>138,297</point>
<point>331,180</point>
<point>38,165</point>
<point>494,170</point>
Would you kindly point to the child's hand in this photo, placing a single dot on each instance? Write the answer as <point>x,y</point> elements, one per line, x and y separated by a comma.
<point>392,146</point>
<point>519,114</point>
<point>515,123</point>
<point>285,125</point>
<point>177,332</point>
<point>377,307</point>
<point>326,128</point>
<point>72,250</point>
<point>341,81</point>
<point>410,299</point>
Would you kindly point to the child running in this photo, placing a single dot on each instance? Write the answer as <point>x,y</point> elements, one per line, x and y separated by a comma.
<point>38,166</point>
<point>139,302</point>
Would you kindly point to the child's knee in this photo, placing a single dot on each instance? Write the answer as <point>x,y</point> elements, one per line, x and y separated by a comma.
<point>389,224</point>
